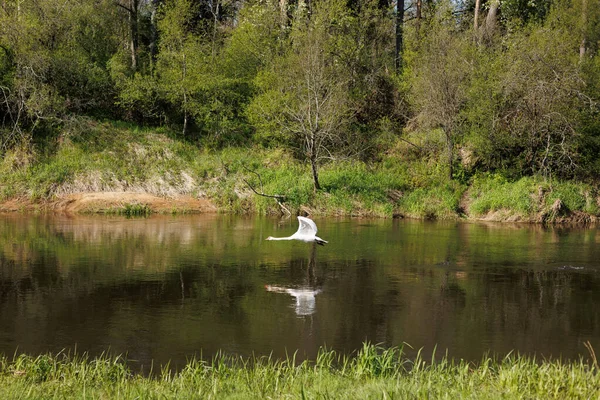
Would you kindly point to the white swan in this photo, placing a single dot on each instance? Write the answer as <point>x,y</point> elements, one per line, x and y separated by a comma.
<point>307,232</point>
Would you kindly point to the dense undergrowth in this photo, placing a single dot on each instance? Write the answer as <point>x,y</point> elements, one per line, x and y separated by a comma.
<point>92,156</point>
<point>374,372</point>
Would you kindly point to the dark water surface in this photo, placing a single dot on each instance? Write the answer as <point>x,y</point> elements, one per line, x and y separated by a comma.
<point>169,288</point>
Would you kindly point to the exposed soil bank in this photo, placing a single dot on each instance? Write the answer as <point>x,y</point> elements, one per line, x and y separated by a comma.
<point>103,202</point>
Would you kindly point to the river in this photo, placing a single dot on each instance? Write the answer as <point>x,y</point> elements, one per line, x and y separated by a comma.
<point>168,288</point>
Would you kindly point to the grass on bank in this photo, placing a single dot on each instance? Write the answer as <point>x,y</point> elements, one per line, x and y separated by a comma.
<point>532,198</point>
<point>374,372</point>
<point>93,156</point>
<point>130,210</point>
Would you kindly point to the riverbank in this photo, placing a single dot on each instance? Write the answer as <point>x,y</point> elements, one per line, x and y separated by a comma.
<point>374,373</point>
<point>108,167</point>
<point>111,203</point>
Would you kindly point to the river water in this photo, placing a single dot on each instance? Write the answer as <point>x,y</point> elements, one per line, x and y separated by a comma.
<point>165,289</point>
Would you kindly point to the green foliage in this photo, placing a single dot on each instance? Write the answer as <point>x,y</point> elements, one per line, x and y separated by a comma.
<point>525,11</point>
<point>96,157</point>
<point>574,196</point>
<point>254,43</point>
<point>442,72</point>
<point>358,179</point>
<point>325,92</point>
<point>56,55</point>
<point>314,85</point>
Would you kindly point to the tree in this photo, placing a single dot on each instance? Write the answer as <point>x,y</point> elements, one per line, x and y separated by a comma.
<point>526,11</point>
<point>399,34</point>
<point>53,63</point>
<point>318,106</point>
<point>180,60</point>
<point>440,80</point>
<point>305,95</point>
<point>132,8</point>
<point>491,19</point>
<point>527,103</point>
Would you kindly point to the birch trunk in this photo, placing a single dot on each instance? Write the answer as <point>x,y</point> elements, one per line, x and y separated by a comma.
<point>399,34</point>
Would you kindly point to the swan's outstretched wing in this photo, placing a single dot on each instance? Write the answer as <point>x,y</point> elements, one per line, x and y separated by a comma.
<point>307,226</point>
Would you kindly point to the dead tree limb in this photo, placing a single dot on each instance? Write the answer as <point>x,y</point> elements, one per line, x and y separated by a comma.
<point>278,197</point>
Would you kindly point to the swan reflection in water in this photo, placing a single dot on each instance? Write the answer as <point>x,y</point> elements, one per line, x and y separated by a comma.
<point>309,287</point>
<point>305,297</point>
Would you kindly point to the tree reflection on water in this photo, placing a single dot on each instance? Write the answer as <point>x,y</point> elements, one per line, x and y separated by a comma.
<point>164,288</point>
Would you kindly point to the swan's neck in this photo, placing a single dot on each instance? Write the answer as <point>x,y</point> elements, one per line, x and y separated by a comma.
<point>282,238</point>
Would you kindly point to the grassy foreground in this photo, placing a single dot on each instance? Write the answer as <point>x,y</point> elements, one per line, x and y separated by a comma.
<point>374,373</point>
<point>91,156</point>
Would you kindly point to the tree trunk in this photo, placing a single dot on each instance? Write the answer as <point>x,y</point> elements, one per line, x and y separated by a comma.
<point>312,155</point>
<point>476,18</point>
<point>185,112</point>
<point>399,34</point>
<point>215,12</point>
<point>315,174</point>
<point>490,20</point>
<point>582,46</point>
<point>153,34</point>
<point>283,11</point>
<point>450,149</point>
<point>133,24</point>
<point>419,15</point>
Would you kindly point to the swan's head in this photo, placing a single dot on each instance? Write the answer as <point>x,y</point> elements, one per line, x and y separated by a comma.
<point>269,238</point>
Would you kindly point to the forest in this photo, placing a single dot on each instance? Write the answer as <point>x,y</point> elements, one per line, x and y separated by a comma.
<point>464,90</point>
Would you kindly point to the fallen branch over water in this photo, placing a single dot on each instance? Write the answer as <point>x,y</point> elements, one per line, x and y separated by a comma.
<point>278,197</point>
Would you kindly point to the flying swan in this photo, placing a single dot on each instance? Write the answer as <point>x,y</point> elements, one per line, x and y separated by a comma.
<point>307,232</point>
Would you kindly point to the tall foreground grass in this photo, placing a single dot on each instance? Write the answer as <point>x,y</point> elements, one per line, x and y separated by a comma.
<point>374,372</point>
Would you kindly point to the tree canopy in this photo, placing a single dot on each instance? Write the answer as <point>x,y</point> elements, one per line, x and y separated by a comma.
<point>479,85</point>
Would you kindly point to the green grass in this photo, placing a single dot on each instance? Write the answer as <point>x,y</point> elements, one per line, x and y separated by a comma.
<point>130,210</point>
<point>531,198</point>
<point>373,373</point>
<point>494,193</point>
<point>436,202</point>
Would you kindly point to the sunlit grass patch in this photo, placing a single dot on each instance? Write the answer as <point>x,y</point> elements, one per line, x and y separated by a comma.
<point>134,210</point>
<point>101,156</point>
<point>494,192</point>
<point>575,196</point>
<point>347,188</point>
<point>531,198</point>
<point>436,202</point>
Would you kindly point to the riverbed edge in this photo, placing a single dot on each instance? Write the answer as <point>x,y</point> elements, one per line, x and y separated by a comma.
<point>90,203</point>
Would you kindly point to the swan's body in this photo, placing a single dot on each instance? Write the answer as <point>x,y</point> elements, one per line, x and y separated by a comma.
<point>305,298</point>
<point>307,232</point>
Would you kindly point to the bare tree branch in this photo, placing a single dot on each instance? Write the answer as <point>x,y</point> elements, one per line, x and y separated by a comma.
<point>278,197</point>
